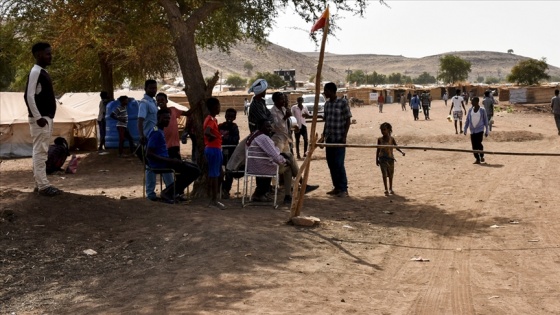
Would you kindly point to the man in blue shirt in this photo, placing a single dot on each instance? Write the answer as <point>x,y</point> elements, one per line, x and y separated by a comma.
<point>158,157</point>
<point>415,105</point>
<point>147,120</point>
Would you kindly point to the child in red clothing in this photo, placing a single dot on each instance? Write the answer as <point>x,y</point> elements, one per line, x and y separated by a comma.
<point>213,151</point>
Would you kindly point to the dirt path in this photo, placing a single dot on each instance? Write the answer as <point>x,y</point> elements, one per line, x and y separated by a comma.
<point>188,259</point>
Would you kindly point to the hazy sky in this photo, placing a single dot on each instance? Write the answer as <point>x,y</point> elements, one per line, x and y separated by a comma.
<point>424,28</point>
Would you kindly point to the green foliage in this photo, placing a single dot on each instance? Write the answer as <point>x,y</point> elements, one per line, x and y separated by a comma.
<point>312,78</point>
<point>248,66</point>
<point>358,77</point>
<point>236,81</point>
<point>529,72</point>
<point>491,80</point>
<point>10,49</point>
<point>274,81</point>
<point>554,78</point>
<point>510,51</point>
<point>425,78</point>
<point>453,69</point>
<point>395,78</point>
<point>376,78</point>
<point>480,79</point>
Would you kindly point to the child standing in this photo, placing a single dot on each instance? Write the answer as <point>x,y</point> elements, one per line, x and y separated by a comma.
<point>121,115</point>
<point>213,151</point>
<point>384,157</point>
<point>230,138</point>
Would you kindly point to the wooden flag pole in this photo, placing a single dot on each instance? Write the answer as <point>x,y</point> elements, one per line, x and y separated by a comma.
<point>297,200</point>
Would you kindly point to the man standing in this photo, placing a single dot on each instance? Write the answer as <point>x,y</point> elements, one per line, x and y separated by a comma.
<point>415,105</point>
<point>337,123</point>
<point>172,131</point>
<point>41,106</point>
<point>101,118</point>
<point>445,97</point>
<point>555,105</point>
<point>426,104</point>
<point>488,103</point>
<point>456,103</point>
<point>380,101</point>
<point>257,109</point>
<point>147,120</point>
<point>300,112</point>
<point>477,122</point>
<point>403,102</point>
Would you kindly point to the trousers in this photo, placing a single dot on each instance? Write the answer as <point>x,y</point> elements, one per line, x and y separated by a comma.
<point>41,137</point>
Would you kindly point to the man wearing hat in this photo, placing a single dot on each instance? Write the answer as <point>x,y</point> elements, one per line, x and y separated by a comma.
<point>257,109</point>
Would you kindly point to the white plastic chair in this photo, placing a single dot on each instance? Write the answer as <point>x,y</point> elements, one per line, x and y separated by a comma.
<point>252,155</point>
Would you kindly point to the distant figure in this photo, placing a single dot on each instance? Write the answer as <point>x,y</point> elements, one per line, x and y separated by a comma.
<point>426,105</point>
<point>555,105</point>
<point>101,118</point>
<point>230,137</point>
<point>403,102</point>
<point>384,157</point>
<point>408,97</point>
<point>337,123</point>
<point>300,112</point>
<point>415,105</point>
<point>477,122</point>
<point>213,151</point>
<point>380,101</point>
<point>58,152</point>
<point>246,105</point>
<point>41,106</point>
<point>466,98</point>
<point>489,103</point>
<point>172,131</point>
<point>120,113</point>
<point>445,97</point>
<point>456,103</point>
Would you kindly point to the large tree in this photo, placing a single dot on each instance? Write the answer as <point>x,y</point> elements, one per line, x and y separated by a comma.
<point>97,44</point>
<point>453,69</point>
<point>529,72</point>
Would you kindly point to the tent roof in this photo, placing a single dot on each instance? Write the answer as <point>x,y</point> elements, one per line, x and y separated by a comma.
<point>13,111</point>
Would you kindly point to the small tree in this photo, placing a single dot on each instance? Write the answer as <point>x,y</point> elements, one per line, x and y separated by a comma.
<point>236,81</point>
<point>395,78</point>
<point>312,78</point>
<point>248,66</point>
<point>274,81</point>
<point>425,78</point>
<point>529,72</point>
<point>357,76</point>
<point>377,78</point>
<point>491,80</point>
<point>453,69</point>
<point>510,51</point>
<point>480,79</point>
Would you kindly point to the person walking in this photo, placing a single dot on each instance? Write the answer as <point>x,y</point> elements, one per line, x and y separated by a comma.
<point>337,123</point>
<point>489,103</point>
<point>477,122</point>
<point>415,105</point>
<point>456,103</point>
<point>380,101</point>
<point>555,105</point>
<point>41,106</point>
<point>445,97</point>
<point>300,112</point>
<point>403,102</point>
<point>426,105</point>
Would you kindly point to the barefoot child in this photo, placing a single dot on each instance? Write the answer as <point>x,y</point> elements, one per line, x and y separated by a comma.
<point>384,157</point>
<point>213,151</point>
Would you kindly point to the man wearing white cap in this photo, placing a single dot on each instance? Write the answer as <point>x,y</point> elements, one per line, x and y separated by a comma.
<point>257,109</point>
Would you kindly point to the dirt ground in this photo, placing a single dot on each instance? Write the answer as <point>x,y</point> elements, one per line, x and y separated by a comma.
<point>491,234</point>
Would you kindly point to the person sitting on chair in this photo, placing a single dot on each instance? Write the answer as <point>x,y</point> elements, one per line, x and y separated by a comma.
<point>158,158</point>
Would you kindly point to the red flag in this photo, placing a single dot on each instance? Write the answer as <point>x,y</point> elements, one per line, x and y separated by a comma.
<point>321,22</point>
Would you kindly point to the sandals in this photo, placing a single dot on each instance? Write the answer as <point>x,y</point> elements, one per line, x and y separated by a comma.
<point>50,191</point>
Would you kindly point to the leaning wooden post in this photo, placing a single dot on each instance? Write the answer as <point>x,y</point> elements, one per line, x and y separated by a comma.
<point>297,201</point>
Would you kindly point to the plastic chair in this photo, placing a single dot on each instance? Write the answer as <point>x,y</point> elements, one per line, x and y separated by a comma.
<point>226,156</point>
<point>253,155</point>
<point>157,171</point>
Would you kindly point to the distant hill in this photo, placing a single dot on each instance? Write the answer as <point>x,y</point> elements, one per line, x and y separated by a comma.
<point>484,63</point>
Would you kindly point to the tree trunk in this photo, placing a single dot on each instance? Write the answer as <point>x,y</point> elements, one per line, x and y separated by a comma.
<point>196,88</point>
<point>106,74</point>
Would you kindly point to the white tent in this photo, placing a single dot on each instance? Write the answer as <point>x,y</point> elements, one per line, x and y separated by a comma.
<point>15,137</point>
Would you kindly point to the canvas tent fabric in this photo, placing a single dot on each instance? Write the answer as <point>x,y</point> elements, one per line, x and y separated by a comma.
<point>15,137</point>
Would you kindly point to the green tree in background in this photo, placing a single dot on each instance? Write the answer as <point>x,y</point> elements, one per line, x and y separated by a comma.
<point>491,80</point>
<point>376,79</point>
<point>529,72</point>
<point>10,49</point>
<point>274,81</point>
<point>425,78</point>
<point>357,76</point>
<point>480,79</point>
<point>453,69</point>
<point>248,66</point>
<point>395,78</point>
<point>236,81</point>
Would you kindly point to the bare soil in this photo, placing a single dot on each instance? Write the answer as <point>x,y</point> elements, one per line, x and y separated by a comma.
<point>155,258</point>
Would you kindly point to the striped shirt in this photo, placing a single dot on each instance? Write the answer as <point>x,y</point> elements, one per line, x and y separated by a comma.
<point>121,115</point>
<point>336,114</point>
<point>262,146</point>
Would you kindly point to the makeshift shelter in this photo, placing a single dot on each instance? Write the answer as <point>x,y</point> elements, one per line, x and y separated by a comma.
<point>75,126</point>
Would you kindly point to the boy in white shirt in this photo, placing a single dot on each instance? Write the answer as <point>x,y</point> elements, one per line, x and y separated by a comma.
<point>456,103</point>
<point>300,112</point>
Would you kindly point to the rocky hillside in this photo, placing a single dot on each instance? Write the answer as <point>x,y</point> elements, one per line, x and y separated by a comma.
<point>484,63</point>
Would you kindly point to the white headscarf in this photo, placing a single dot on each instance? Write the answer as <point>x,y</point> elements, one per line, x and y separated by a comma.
<point>258,86</point>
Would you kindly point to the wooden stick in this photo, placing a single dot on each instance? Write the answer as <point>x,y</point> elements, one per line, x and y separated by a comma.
<point>297,203</point>
<point>373,146</point>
